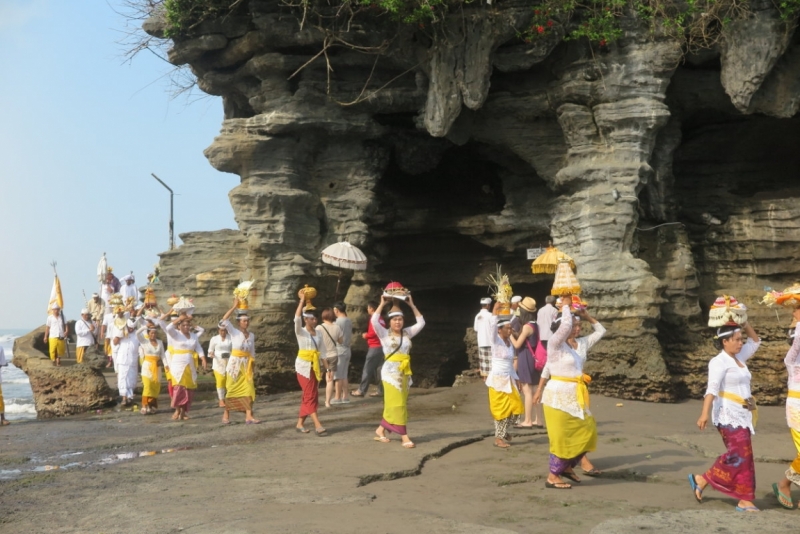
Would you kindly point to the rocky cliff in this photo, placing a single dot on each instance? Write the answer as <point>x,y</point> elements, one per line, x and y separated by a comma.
<point>670,179</point>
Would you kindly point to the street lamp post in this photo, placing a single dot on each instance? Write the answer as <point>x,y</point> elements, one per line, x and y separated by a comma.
<point>171,223</point>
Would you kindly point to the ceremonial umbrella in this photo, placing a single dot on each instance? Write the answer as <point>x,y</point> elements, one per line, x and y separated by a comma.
<point>345,256</point>
<point>547,262</point>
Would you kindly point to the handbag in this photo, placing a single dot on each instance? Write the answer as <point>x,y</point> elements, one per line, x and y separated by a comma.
<point>539,353</point>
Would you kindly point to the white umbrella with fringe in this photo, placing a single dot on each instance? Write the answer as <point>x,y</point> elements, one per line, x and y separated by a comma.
<point>345,256</point>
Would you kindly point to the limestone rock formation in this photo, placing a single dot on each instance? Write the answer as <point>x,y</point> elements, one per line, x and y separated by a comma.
<point>444,155</point>
<point>60,391</point>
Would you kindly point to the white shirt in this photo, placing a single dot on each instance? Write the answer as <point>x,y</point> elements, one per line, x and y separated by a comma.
<point>129,291</point>
<point>84,330</point>
<point>390,373</point>
<point>792,362</point>
<point>128,351</point>
<point>483,328</point>
<point>725,375</point>
<point>56,325</point>
<point>305,341</point>
<point>216,347</point>
<point>544,318</point>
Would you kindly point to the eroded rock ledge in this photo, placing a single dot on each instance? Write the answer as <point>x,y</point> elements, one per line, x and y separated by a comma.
<point>479,146</point>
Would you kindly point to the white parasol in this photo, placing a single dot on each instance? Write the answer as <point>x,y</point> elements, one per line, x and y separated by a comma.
<point>346,256</point>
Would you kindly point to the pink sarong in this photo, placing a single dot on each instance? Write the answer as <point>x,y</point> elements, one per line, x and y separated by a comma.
<point>734,472</point>
<point>182,397</point>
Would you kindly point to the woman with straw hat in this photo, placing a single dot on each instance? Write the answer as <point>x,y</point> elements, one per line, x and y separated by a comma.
<point>571,428</point>
<point>730,406</point>
<point>396,372</point>
<point>525,344</point>
<point>307,366</point>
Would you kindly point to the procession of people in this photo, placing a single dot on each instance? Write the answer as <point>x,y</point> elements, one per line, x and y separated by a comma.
<point>531,360</point>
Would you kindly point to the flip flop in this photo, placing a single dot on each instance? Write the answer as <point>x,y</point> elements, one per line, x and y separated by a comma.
<point>302,430</point>
<point>695,488</point>
<point>409,445</point>
<point>525,426</point>
<point>501,445</point>
<point>252,422</point>
<point>321,432</point>
<point>593,472</point>
<point>382,439</point>
<point>375,395</point>
<point>226,422</point>
<point>572,476</point>
<point>558,485</point>
<point>747,509</point>
<point>356,393</point>
<point>782,498</point>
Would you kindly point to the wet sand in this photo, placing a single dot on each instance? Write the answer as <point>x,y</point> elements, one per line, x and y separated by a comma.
<point>269,478</point>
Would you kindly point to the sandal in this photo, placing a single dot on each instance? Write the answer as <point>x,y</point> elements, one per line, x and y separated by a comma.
<point>500,444</point>
<point>783,499</point>
<point>356,393</point>
<point>525,426</point>
<point>572,476</point>
<point>408,444</point>
<point>382,439</point>
<point>375,395</point>
<point>593,472</point>
<point>252,422</point>
<point>301,430</point>
<point>695,489</point>
<point>321,432</point>
<point>747,509</point>
<point>558,485</point>
<point>5,422</point>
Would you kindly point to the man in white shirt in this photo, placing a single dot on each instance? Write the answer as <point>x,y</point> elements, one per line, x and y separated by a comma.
<point>3,363</point>
<point>483,328</point>
<point>55,333</point>
<point>84,329</point>
<point>545,317</point>
<point>128,290</point>
<point>126,360</point>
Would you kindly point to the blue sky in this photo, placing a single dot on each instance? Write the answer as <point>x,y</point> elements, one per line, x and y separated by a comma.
<point>80,133</point>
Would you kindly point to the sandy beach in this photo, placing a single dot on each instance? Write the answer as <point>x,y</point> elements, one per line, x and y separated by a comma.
<point>268,478</point>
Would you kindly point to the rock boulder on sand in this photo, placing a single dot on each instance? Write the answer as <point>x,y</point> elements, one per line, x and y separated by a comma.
<point>59,391</point>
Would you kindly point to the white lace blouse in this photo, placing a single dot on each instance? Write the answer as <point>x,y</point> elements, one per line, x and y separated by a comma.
<point>792,362</point>
<point>725,375</point>
<point>502,375</point>
<point>563,360</point>
<point>390,372</point>
<point>305,341</point>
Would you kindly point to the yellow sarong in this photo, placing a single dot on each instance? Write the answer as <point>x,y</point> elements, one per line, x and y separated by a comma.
<point>79,352</point>
<point>312,356</point>
<point>167,374</point>
<point>738,400</point>
<point>2,402</point>
<point>186,378</point>
<point>395,402</point>
<point>582,390</point>
<point>243,386</point>
<point>569,436</point>
<point>504,405</point>
<point>151,387</point>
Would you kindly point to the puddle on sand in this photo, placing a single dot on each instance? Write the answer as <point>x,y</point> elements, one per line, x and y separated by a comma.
<point>7,474</point>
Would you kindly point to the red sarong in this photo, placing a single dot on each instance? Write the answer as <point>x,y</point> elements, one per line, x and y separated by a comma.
<point>734,473</point>
<point>310,402</point>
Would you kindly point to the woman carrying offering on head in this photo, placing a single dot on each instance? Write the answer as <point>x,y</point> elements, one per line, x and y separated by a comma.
<point>184,345</point>
<point>396,372</point>
<point>571,428</point>
<point>240,389</point>
<point>151,354</point>
<point>783,489</point>
<point>730,406</point>
<point>307,366</point>
<point>505,403</point>
<point>525,344</point>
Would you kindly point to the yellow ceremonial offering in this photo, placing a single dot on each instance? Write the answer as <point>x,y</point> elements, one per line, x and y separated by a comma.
<point>309,293</point>
<point>242,292</point>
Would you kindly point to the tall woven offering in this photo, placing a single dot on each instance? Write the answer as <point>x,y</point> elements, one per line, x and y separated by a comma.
<point>566,283</point>
<point>726,310</point>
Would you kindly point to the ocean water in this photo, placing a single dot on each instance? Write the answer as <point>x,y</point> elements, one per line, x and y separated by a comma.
<point>17,392</point>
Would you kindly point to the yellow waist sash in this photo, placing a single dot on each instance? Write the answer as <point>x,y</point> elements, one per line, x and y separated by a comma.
<point>582,390</point>
<point>243,354</point>
<point>794,394</point>
<point>312,356</point>
<point>152,359</point>
<point>738,400</point>
<point>405,362</point>
<point>183,351</point>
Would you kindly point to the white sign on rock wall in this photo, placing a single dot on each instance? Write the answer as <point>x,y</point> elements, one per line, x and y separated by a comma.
<point>534,253</point>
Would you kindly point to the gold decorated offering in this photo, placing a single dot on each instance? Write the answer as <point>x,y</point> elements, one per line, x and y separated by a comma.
<point>184,305</point>
<point>115,300</point>
<point>727,310</point>
<point>173,300</point>
<point>242,292</point>
<point>309,293</point>
<point>396,291</point>
<point>789,297</point>
<point>501,291</point>
<point>150,297</point>
<point>566,283</point>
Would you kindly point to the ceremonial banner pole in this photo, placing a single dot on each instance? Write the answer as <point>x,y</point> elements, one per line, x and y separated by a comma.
<point>60,299</point>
